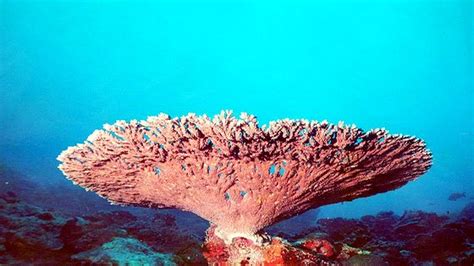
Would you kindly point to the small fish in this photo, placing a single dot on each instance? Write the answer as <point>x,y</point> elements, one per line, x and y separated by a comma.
<point>456,195</point>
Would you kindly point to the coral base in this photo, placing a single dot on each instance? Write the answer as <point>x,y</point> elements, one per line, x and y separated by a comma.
<point>276,251</point>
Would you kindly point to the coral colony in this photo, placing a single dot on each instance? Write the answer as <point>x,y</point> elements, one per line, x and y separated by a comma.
<point>242,177</point>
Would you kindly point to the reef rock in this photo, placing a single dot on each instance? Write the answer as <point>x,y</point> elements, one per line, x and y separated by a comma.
<point>32,235</point>
<point>124,251</point>
<point>468,211</point>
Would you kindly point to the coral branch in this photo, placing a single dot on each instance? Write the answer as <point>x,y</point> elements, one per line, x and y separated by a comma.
<point>239,176</point>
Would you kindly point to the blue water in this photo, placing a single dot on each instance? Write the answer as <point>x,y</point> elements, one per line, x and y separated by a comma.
<point>67,67</point>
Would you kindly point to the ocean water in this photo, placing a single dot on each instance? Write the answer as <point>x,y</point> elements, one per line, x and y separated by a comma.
<point>68,67</point>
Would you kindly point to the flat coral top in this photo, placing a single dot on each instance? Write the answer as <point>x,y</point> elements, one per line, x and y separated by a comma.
<point>225,136</point>
<point>174,162</point>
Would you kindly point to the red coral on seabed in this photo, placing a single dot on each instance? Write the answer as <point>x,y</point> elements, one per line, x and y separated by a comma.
<point>319,246</point>
<point>237,175</point>
<point>273,252</point>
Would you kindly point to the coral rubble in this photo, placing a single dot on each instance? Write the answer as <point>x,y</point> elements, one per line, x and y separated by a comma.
<point>124,251</point>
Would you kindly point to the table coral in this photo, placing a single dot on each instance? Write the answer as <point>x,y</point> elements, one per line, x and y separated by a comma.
<point>237,175</point>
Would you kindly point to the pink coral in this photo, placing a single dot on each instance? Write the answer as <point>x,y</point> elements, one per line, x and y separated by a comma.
<point>237,175</point>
